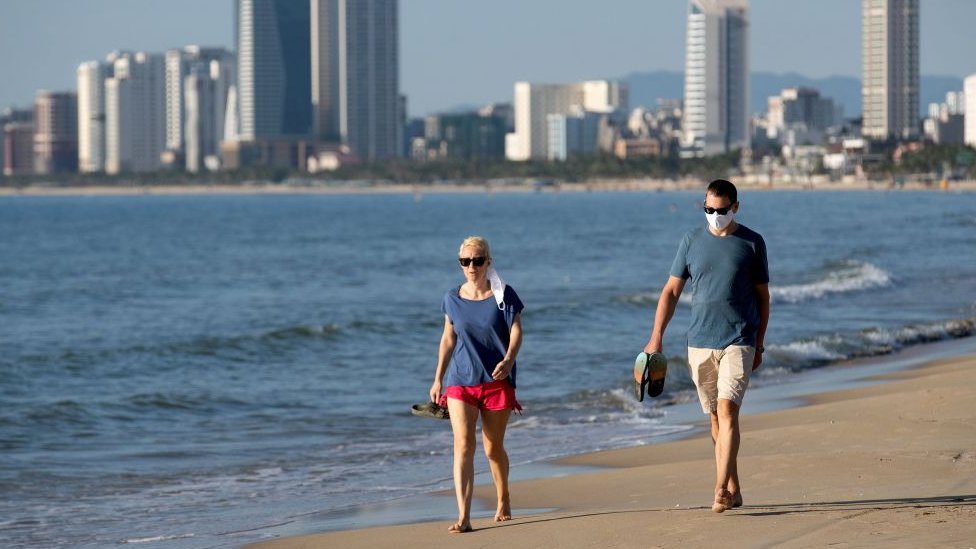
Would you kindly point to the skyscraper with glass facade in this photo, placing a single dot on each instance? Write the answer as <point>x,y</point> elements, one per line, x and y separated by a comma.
<point>274,69</point>
<point>355,75</point>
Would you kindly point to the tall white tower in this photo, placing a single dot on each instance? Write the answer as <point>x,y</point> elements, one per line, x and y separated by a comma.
<point>716,108</point>
<point>969,91</point>
<point>889,83</point>
<point>91,116</point>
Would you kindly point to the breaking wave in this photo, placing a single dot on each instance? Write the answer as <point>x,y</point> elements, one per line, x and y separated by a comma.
<point>847,276</point>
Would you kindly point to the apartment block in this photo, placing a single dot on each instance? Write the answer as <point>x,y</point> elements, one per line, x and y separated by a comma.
<point>18,148</point>
<point>55,132</point>
<point>889,82</point>
<point>716,94</point>
<point>135,113</point>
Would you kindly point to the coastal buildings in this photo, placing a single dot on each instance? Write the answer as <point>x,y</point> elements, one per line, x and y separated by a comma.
<point>889,84</point>
<point>533,103</point>
<point>274,69</point>
<point>55,132</point>
<point>355,76</point>
<point>135,113</point>
<point>799,115</point>
<point>716,89</point>
<point>91,116</point>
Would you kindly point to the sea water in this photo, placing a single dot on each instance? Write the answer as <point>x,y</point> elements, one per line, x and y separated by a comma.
<point>196,371</point>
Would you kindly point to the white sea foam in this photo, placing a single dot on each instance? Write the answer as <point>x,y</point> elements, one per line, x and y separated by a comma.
<point>817,349</point>
<point>850,276</point>
<point>154,539</point>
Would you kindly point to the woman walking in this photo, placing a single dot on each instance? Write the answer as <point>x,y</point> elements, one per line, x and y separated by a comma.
<point>476,373</point>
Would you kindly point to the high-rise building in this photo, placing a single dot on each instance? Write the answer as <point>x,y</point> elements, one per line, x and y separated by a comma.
<point>135,113</point>
<point>355,76</point>
<point>55,132</point>
<point>716,113</point>
<point>180,63</point>
<point>17,142</point>
<point>969,91</point>
<point>25,117</point>
<point>889,83</point>
<point>206,101</point>
<point>91,116</point>
<point>533,103</point>
<point>274,69</point>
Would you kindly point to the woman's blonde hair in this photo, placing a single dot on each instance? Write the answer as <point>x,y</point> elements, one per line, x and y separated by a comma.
<point>475,242</point>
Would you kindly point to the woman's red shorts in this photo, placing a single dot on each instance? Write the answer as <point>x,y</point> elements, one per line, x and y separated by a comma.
<point>492,396</point>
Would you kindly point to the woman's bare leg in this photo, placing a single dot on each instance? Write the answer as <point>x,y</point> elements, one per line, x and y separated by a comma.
<point>493,425</point>
<point>464,419</point>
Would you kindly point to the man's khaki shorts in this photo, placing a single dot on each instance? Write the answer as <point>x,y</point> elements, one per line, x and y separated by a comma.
<point>720,373</point>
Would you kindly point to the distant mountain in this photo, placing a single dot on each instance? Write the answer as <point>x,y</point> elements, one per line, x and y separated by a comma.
<point>647,87</point>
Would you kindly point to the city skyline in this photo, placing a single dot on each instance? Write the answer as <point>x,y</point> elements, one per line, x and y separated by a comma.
<point>452,55</point>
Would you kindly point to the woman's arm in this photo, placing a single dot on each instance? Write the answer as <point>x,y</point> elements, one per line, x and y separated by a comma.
<point>448,340</point>
<point>504,368</point>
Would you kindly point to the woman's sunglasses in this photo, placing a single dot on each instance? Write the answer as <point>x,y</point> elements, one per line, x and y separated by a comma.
<point>478,261</point>
<point>719,211</point>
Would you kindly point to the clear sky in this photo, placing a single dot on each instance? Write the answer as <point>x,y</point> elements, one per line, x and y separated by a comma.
<point>470,52</point>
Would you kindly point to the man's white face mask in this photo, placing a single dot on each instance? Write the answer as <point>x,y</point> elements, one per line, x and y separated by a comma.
<point>718,221</point>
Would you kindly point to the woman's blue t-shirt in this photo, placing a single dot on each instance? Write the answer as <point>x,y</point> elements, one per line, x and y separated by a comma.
<point>483,332</point>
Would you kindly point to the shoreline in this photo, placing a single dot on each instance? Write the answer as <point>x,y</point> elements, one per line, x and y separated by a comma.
<point>616,496</point>
<point>418,189</point>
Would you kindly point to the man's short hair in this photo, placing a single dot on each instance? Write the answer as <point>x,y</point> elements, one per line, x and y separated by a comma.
<point>721,187</point>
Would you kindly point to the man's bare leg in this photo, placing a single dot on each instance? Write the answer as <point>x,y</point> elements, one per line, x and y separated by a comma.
<point>725,435</point>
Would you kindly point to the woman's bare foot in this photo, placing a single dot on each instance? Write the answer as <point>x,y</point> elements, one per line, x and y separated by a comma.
<point>503,513</point>
<point>723,501</point>
<point>737,499</point>
<point>459,528</point>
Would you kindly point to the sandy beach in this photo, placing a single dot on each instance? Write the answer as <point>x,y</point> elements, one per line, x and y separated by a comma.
<point>891,464</point>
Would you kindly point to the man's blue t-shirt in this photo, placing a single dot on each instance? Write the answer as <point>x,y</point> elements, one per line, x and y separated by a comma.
<point>483,332</point>
<point>724,271</point>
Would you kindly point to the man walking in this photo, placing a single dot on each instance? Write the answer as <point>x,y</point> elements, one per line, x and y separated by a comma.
<point>726,263</point>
